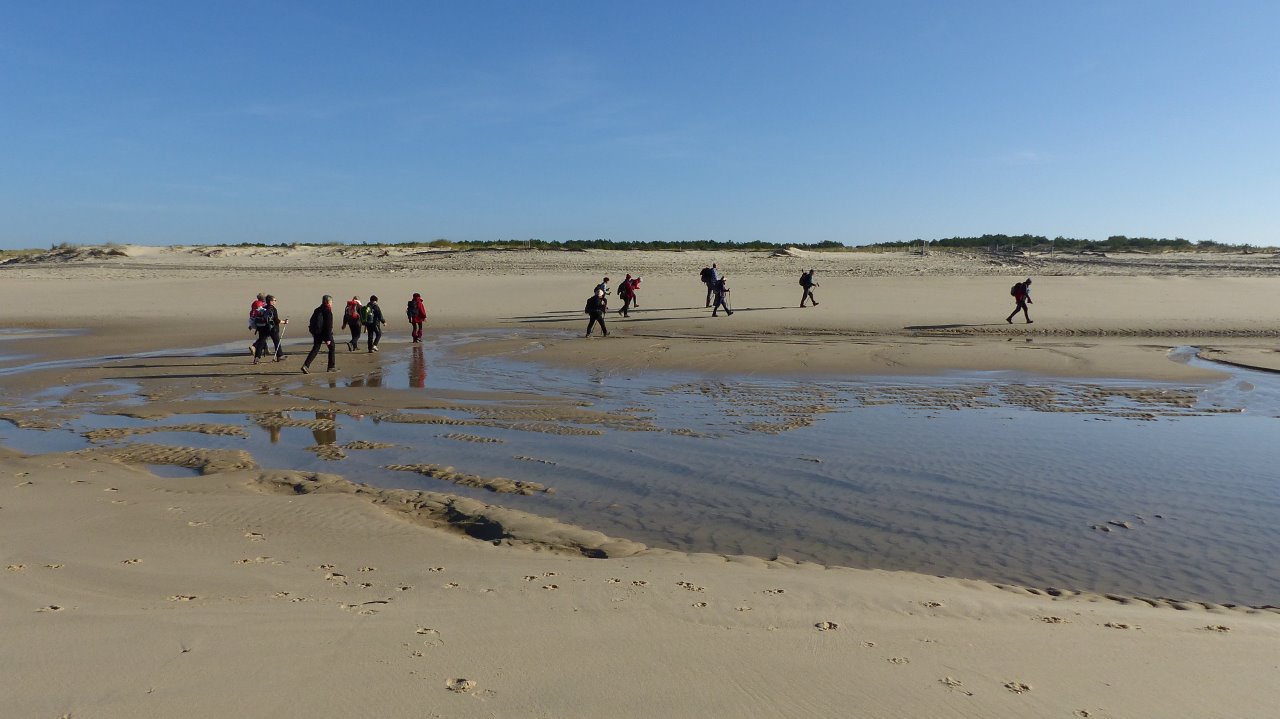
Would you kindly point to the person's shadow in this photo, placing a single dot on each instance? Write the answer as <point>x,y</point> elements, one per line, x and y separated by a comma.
<point>949,327</point>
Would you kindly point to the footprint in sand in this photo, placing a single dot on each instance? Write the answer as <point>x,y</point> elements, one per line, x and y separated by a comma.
<point>183,598</point>
<point>826,626</point>
<point>1216,628</point>
<point>131,561</point>
<point>197,524</point>
<point>255,560</point>
<point>436,569</point>
<point>451,585</point>
<point>254,537</point>
<point>364,585</point>
<point>699,605</point>
<point>551,586</point>
<point>1017,687</point>
<point>1054,620</point>
<point>639,583</point>
<point>50,608</point>
<point>325,567</point>
<point>53,566</point>
<point>689,586</point>
<point>368,569</point>
<point>431,637</point>
<point>530,578</point>
<point>1119,625</point>
<point>460,686</point>
<point>16,567</point>
<point>899,660</point>
<point>404,588</point>
<point>931,605</point>
<point>955,685</point>
<point>869,645</point>
<point>742,609</point>
<point>108,489</point>
<point>613,580</point>
<point>774,591</point>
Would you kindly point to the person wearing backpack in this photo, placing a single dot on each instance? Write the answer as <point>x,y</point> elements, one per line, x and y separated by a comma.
<point>265,323</point>
<point>626,292</point>
<point>321,328</point>
<point>1021,293</point>
<point>705,275</point>
<point>372,319</point>
<point>351,319</point>
<point>597,305</point>
<point>806,281</point>
<point>253,307</point>
<point>416,311</point>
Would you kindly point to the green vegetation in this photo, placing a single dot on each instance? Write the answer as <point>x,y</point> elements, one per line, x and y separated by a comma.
<point>1115,243</point>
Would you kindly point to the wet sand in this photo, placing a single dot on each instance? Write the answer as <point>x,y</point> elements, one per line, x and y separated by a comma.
<point>222,588</point>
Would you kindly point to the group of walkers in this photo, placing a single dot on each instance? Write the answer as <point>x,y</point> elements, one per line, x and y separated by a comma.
<point>358,317</point>
<point>718,296</point>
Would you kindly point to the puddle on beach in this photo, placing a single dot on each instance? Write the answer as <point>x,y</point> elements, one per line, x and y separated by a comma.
<point>1135,488</point>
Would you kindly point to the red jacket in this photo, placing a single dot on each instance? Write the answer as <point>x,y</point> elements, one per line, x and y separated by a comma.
<point>416,311</point>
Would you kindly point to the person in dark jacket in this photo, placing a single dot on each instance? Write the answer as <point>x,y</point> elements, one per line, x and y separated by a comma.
<point>416,311</point>
<point>806,281</point>
<point>373,322</point>
<point>266,323</point>
<point>722,296</point>
<point>597,305</point>
<point>627,293</point>
<point>277,328</point>
<point>321,327</point>
<point>1022,295</point>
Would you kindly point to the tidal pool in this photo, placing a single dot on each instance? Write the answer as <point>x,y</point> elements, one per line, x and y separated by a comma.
<point>1135,488</point>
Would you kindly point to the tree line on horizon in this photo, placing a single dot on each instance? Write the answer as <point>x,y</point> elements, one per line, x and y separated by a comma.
<point>1113,243</point>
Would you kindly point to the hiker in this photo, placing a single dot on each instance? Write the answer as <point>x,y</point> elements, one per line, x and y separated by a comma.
<point>265,323</point>
<point>258,301</point>
<point>597,305</point>
<point>321,328</point>
<point>626,292</point>
<point>1022,295</point>
<point>372,319</point>
<point>417,314</point>
<point>722,296</point>
<point>709,276</point>
<point>604,287</point>
<point>635,290</point>
<point>806,281</point>
<point>351,319</point>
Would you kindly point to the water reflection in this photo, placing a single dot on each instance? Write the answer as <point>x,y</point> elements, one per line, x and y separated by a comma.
<point>370,379</point>
<point>326,433</point>
<point>417,369</point>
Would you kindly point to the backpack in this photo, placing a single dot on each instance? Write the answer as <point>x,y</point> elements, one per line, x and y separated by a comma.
<point>591,304</point>
<point>804,279</point>
<point>317,322</point>
<point>353,310</point>
<point>366,315</point>
<point>262,317</point>
<point>1016,290</point>
<point>705,274</point>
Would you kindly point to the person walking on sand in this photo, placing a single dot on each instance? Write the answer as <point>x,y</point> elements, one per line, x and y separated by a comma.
<point>722,296</point>
<point>371,317</point>
<point>277,327</point>
<point>711,275</point>
<point>351,319</point>
<point>635,292</point>
<point>1022,295</point>
<point>253,307</point>
<point>604,287</point>
<point>806,281</point>
<point>597,305</point>
<point>416,311</point>
<point>321,328</point>
<point>265,320</point>
<point>626,293</point>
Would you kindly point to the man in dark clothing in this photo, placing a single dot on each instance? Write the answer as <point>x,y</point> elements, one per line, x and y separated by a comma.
<point>321,327</point>
<point>722,296</point>
<point>597,305</point>
<point>1022,295</point>
<point>277,328</point>
<point>707,282</point>
<point>806,281</point>
<point>373,322</point>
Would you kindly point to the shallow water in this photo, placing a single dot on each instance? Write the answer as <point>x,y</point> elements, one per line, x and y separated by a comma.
<point>1137,488</point>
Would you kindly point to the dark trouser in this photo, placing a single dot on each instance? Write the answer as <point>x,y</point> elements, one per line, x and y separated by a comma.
<point>415,331</point>
<point>1022,305</point>
<point>597,317</point>
<point>721,301</point>
<point>626,303</point>
<point>355,334</point>
<point>260,346</point>
<point>373,334</point>
<point>316,344</point>
<point>711,290</point>
<point>808,295</point>
<point>275,339</point>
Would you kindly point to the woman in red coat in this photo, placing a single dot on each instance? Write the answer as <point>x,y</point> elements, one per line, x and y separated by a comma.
<point>417,314</point>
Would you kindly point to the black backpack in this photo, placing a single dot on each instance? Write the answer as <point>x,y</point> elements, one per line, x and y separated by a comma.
<point>705,274</point>
<point>317,322</point>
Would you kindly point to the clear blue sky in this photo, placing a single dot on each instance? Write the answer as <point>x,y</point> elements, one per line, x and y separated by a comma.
<point>283,121</point>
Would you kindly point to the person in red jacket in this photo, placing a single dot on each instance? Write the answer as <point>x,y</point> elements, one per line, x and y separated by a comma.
<point>253,309</point>
<point>416,311</point>
<point>351,319</point>
<point>627,293</point>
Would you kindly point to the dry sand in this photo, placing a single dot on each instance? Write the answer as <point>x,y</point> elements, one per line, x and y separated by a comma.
<point>252,593</point>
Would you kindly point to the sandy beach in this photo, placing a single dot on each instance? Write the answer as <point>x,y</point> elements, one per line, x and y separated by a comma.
<point>259,591</point>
